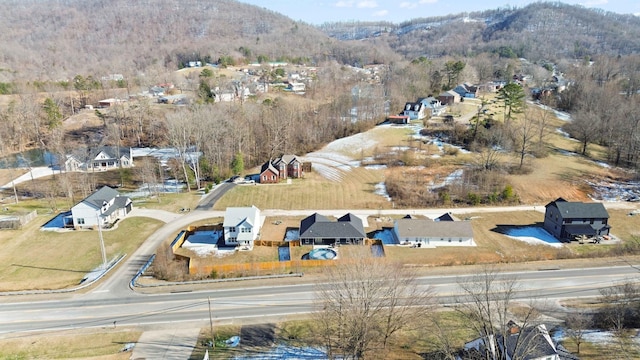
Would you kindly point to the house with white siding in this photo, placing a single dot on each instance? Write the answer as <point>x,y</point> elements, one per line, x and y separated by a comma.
<point>430,234</point>
<point>242,226</point>
<point>102,208</point>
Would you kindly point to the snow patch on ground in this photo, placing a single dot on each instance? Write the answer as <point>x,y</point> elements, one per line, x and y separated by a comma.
<point>592,336</point>
<point>283,351</point>
<point>164,155</point>
<point>567,153</point>
<point>452,178</point>
<point>604,190</point>
<point>565,134</point>
<point>203,243</point>
<point>169,186</point>
<point>603,164</point>
<point>533,235</point>
<point>375,167</point>
<point>562,115</point>
<point>381,189</point>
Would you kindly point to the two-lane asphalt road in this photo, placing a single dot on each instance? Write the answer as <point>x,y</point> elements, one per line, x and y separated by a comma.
<point>272,301</point>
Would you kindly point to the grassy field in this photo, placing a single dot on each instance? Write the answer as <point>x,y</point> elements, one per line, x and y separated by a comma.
<point>170,202</point>
<point>34,259</point>
<point>355,191</point>
<point>86,344</point>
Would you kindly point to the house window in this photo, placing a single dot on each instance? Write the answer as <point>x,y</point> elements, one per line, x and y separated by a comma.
<point>273,177</point>
<point>264,177</point>
<point>232,238</point>
<point>591,221</point>
<point>80,221</point>
<point>232,229</point>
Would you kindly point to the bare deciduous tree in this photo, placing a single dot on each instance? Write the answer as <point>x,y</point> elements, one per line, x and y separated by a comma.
<point>365,303</point>
<point>577,324</point>
<point>487,305</point>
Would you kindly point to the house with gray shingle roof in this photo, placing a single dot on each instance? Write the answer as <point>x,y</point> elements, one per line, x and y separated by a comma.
<point>319,230</point>
<point>110,157</point>
<point>428,233</point>
<point>102,208</point>
<point>567,220</point>
<point>528,343</point>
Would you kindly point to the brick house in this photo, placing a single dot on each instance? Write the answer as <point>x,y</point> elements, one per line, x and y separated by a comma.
<point>282,168</point>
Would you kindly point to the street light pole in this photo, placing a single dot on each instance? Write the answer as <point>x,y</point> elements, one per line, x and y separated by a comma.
<point>104,252</point>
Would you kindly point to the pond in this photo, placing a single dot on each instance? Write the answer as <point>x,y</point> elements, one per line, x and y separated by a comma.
<point>29,158</point>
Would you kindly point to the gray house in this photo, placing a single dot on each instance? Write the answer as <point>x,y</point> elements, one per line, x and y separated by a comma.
<point>429,234</point>
<point>319,230</point>
<point>567,220</point>
<point>529,343</point>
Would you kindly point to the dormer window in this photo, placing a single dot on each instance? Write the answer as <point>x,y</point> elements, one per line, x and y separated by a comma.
<point>408,107</point>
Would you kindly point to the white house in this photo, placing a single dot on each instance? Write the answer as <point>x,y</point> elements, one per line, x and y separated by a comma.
<point>428,233</point>
<point>102,208</point>
<point>72,163</point>
<point>242,226</point>
<point>296,87</point>
<point>109,157</point>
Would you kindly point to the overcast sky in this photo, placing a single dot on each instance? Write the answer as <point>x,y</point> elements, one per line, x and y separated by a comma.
<point>321,11</point>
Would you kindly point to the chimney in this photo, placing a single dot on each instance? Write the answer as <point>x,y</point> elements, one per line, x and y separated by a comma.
<point>513,328</point>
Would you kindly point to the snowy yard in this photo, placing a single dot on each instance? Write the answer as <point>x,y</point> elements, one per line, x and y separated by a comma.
<point>533,235</point>
<point>203,243</point>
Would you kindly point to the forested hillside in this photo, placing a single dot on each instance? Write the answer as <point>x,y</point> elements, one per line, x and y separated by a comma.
<point>50,40</point>
<point>545,30</point>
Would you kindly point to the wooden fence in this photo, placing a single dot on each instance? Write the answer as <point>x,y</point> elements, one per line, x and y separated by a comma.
<point>260,268</point>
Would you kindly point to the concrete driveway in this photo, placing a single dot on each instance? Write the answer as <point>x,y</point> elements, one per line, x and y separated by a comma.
<point>171,343</point>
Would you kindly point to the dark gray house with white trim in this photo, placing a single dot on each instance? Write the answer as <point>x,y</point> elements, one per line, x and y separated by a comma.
<point>567,220</point>
<point>319,230</point>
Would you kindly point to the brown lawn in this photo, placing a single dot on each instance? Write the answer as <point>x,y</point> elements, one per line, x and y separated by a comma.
<point>314,192</point>
<point>34,259</point>
<point>76,344</point>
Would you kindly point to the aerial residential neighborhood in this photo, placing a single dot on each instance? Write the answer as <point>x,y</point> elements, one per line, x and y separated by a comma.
<point>225,180</point>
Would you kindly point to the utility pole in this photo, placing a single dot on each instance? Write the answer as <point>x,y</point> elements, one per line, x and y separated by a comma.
<point>213,339</point>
